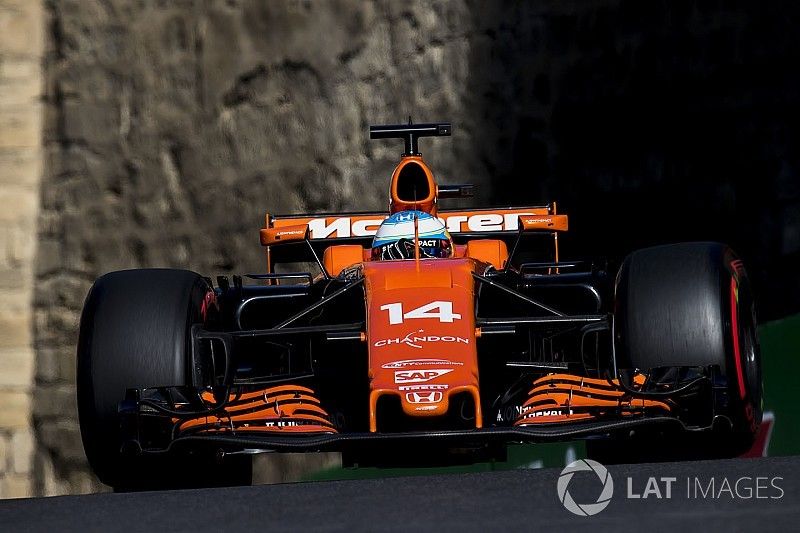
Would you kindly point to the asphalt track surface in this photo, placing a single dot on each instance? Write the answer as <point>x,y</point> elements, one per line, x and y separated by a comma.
<point>519,500</point>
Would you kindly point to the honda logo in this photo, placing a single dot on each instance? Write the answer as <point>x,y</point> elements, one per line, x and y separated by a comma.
<point>424,397</point>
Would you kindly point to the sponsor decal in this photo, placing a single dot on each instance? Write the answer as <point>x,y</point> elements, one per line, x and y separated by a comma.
<point>284,233</point>
<point>555,222</point>
<point>419,376</point>
<point>423,387</point>
<point>416,339</point>
<point>281,424</point>
<point>339,227</point>
<point>425,407</point>
<point>546,412</point>
<point>424,397</point>
<point>420,362</point>
<point>444,314</point>
<point>511,413</point>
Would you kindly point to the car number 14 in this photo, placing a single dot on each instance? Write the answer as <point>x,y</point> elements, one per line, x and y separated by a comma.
<point>439,309</point>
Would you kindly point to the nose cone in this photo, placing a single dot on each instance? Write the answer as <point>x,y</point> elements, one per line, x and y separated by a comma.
<point>421,333</point>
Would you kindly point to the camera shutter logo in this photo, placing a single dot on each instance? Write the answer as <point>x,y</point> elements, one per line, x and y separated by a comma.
<point>585,509</point>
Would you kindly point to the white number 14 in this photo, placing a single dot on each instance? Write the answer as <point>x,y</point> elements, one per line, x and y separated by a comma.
<point>444,314</point>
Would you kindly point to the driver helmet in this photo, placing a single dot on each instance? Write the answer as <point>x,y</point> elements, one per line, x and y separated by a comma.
<point>395,237</point>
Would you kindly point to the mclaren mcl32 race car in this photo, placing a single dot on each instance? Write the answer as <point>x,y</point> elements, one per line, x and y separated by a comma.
<point>421,335</point>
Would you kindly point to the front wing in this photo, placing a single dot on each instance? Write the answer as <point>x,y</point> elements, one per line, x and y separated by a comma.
<point>290,418</point>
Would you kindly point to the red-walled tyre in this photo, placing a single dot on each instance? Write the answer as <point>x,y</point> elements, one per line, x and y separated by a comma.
<point>689,304</point>
<point>135,333</point>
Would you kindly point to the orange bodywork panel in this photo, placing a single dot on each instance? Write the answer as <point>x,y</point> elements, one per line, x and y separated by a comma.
<point>337,258</point>
<point>491,251</point>
<point>421,335</point>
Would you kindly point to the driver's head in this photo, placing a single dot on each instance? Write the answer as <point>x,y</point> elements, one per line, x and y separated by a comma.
<point>395,237</point>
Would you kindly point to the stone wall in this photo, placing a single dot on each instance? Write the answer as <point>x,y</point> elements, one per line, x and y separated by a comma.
<point>21,50</point>
<point>171,127</point>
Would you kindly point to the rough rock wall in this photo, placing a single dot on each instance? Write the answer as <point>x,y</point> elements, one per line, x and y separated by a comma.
<point>172,126</point>
<point>21,50</point>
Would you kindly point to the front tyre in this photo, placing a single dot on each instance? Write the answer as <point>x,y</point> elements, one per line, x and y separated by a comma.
<point>689,305</point>
<point>135,333</point>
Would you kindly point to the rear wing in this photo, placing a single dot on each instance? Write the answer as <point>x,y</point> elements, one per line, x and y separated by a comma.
<point>326,229</point>
<point>362,226</point>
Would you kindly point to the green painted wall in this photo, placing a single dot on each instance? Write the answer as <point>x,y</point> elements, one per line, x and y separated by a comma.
<point>780,349</point>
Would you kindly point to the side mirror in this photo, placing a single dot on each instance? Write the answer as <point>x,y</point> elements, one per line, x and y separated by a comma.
<point>273,236</point>
<point>544,222</point>
<point>455,191</point>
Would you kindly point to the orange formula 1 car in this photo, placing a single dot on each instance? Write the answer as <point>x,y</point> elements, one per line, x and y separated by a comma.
<point>423,335</point>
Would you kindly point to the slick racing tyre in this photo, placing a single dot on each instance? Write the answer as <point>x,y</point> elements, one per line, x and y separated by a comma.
<point>135,333</point>
<point>689,305</point>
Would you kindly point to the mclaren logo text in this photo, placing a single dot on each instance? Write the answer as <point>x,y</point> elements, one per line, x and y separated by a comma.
<point>324,228</point>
